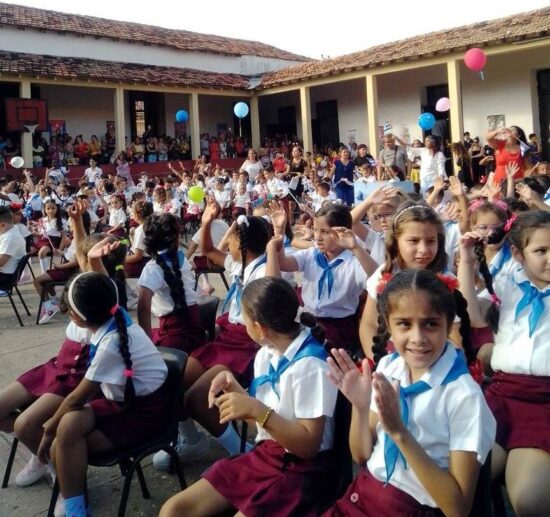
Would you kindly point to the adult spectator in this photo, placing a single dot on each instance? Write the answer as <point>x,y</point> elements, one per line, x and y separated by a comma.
<point>394,157</point>
<point>432,163</point>
<point>342,176</point>
<point>506,143</point>
<point>363,156</point>
<point>252,165</point>
<point>94,149</point>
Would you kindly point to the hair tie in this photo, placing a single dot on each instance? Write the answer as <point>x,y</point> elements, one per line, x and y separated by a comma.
<point>495,299</point>
<point>242,219</point>
<point>118,267</point>
<point>128,373</point>
<point>450,281</point>
<point>124,241</point>
<point>510,222</point>
<point>298,318</point>
<point>114,308</point>
<point>385,278</point>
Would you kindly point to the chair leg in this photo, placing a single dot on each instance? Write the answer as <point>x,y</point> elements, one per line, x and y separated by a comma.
<point>9,466</point>
<point>125,491</point>
<point>224,281</point>
<point>176,463</point>
<point>22,301</point>
<point>142,483</point>
<point>40,303</point>
<point>197,276</point>
<point>31,269</point>
<point>53,498</point>
<point>244,435</point>
<point>15,310</point>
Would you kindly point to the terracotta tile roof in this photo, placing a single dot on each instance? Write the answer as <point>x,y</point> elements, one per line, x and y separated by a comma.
<point>115,72</point>
<point>522,26</point>
<point>41,19</point>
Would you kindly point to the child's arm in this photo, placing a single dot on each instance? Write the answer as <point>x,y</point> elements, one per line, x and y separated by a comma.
<point>99,250</point>
<point>206,245</point>
<point>455,186</point>
<point>368,326</point>
<point>145,295</point>
<point>272,251</point>
<point>66,265</point>
<point>72,402</point>
<point>346,239</point>
<point>452,490</point>
<point>439,184</point>
<point>75,212</point>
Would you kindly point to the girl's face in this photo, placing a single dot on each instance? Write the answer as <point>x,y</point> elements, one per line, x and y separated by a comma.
<point>535,257</point>
<point>159,195</point>
<point>252,328</point>
<point>234,247</point>
<point>116,203</point>
<point>486,223</point>
<point>381,215</point>
<point>51,210</point>
<point>417,244</point>
<point>418,331</point>
<point>325,237</point>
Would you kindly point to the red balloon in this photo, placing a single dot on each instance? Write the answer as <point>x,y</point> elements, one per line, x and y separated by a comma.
<point>475,59</point>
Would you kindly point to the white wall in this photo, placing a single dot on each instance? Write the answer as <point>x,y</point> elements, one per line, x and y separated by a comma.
<point>53,44</point>
<point>85,110</point>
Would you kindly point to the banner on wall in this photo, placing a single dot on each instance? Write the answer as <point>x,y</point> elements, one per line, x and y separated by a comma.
<point>57,127</point>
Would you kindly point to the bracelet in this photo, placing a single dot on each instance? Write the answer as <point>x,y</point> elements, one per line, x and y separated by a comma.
<point>266,417</point>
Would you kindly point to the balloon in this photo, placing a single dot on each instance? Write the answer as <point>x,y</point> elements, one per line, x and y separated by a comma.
<point>475,59</point>
<point>195,194</point>
<point>443,104</point>
<point>426,121</point>
<point>182,116</point>
<point>17,162</point>
<point>240,109</point>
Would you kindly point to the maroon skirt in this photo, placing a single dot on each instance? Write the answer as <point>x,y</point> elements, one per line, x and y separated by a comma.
<point>521,406</point>
<point>60,375</point>
<point>134,269</point>
<point>127,427</point>
<point>269,481</point>
<point>342,332</point>
<point>61,275</point>
<point>232,348</point>
<point>481,336</point>
<point>42,242</point>
<point>368,497</point>
<point>182,331</point>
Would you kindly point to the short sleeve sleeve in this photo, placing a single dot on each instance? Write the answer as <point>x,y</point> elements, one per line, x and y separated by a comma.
<point>313,393</point>
<point>152,277</point>
<point>301,257</point>
<point>107,367</point>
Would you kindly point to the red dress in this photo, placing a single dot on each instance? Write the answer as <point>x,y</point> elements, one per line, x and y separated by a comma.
<point>504,157</point>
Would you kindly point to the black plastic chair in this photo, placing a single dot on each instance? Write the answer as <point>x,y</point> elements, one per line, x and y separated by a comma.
<point>10,286</point>
<point>130,461</point>
<point>208,308</point>
<point>11,459</point>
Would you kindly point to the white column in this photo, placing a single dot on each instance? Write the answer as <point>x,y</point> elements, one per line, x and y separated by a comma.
<point>372,114</point>
<point>195,125</point>
<point>455,96</point>
<point>120,120</point>
<point>305,109</point>
<point>255,122</point>
<point>26,137</point>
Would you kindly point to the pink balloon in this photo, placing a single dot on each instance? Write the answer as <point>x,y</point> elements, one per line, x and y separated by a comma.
<point>475,59</point>
<point>443,104</point>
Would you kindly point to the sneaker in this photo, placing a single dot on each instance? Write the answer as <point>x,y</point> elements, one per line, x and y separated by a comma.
<point>161,460</point>
<point>32,472</point>
<point>49,310</point>
<point>3,293</point>
<point>59,510</point>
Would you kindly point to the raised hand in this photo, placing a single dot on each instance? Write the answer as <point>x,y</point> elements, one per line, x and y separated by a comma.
<point>526,193</point>
<point>103,248</point>
<point>455,186</point>
<point>439,184</point>
<point>210,213</point>
<point>76,210</point>
<point>346,237</point>
<point>511,170</point>
<point>277,213</point>
<point>275,244</point>
<point>387,401</point>
<point>355,384</point>
<point>382,196</point>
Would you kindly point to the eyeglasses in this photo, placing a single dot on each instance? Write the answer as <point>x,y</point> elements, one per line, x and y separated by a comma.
<point>486,227</point>
<point>378,217</point>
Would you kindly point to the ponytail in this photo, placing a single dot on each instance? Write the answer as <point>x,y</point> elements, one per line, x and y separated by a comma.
<point>317,331</point>
<point>465,326</point>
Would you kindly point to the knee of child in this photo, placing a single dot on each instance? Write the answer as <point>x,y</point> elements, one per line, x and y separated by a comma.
<point>21,427</point>
<point>43,252</point>
<point>69,428</point>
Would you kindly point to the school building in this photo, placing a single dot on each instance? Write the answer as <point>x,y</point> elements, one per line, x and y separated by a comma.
<point>94,71</point>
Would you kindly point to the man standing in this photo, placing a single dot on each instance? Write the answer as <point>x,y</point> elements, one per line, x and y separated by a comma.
<point>393,160</point>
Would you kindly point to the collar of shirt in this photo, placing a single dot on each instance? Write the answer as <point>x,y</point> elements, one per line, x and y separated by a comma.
<point>291,350</point>
<point>519,276</point>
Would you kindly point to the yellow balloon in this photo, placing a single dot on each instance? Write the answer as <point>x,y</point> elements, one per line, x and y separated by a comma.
<point>195,194</point>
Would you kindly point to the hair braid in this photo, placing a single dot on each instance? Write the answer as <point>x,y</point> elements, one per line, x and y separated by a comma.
<point>493,312</point>
<point>380,340</point>
<point>172,277</point>
<point>243,245</point>
<point>129,390</point>
<point>465,326</point>
<point>317,331</point>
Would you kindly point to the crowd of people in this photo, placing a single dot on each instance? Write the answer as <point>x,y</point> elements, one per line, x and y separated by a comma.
<point>423,312</point>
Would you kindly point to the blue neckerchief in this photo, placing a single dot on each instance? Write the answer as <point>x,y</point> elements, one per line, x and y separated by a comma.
<point>504,255</point>
<point>547,195</point>
<point>112,326</point>
<point>236,289</point>
<point>181,257</point>
<point>391,451</point>
<point>287,242</point>
<point>531,296</point>
<point>327,276</point>
<point>309,348</point>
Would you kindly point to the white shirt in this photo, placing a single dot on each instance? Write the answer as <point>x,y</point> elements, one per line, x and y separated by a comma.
<point>304,388</point>
<point>79,334</point>
<point>251,272</point>
<point>374,243</point>
<point>70,251</point>
<point>453,417</point>
<point>49,227</point>
<point>317,200</point>
<point>23,230</point>
<point>514,350</point>
<point>222,197</point>
<point>12,244</point>
<point>277,187</point>
<point>349,283</point>
<point>242,200</point>
<point>117,216</point>
<point>93,175</point>
<point>253,169</point>
<point>139,240</point>
<point>452,240</point>
<point>36,203</point>
<point>149,369</point>
<point>218,229</point>
<point>431,166</point>
<point>152,277</point>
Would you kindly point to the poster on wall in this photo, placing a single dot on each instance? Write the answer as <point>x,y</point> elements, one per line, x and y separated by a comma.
<point>352,136</point>
<point>496,121</point>
<point>180,129</point>
<point>57,127</point>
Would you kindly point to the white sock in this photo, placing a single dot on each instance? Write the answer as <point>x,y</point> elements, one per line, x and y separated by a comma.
<point>230,440</point>
<point>44,264</point>
<point>188,431</point>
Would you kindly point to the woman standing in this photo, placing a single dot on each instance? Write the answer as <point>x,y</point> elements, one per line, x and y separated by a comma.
<point>297,171</point>
<point>464,164</point>
<point>252,165</point>
<point>342,176</point>
<point>432,162</point>
<point>506,143</point>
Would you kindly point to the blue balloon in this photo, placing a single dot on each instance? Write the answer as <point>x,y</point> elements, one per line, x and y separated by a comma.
<point>426,121</point>
<point>240,109</point>
<point>182,116</point>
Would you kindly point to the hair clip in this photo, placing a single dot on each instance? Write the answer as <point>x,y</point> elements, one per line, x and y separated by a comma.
<point>406,209</point>
<point>299,312</point>
<point>128,373</point>
<point>242,219</point>
<point>118,267</point>
<point>495,299</point>
<point>450,281</point>
<point>114,308</point>
<point>510,222</point>
<point>124,241</point>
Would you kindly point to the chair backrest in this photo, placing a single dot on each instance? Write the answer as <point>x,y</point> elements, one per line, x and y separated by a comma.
<point>208,307</point>
<point>19,269</point>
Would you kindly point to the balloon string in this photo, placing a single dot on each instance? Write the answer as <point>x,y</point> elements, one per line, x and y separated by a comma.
<point>482,76</point>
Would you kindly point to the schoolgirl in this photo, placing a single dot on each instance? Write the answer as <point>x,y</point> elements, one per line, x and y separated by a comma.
<point>292,402</point>
<point>165,288</point>
<point>421,424</point>
<point>135,262</point>
<point>117,215</point>
<point>334,273</point>
<point>518,307</point>
<point>128,371</point>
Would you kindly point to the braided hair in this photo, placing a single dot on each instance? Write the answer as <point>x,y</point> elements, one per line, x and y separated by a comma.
<point>273,303</point>
<point>254,234</point>
<point>444,300</point>
<point>162,243</point>
<point>114,265</point>
<point>93,296</point>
